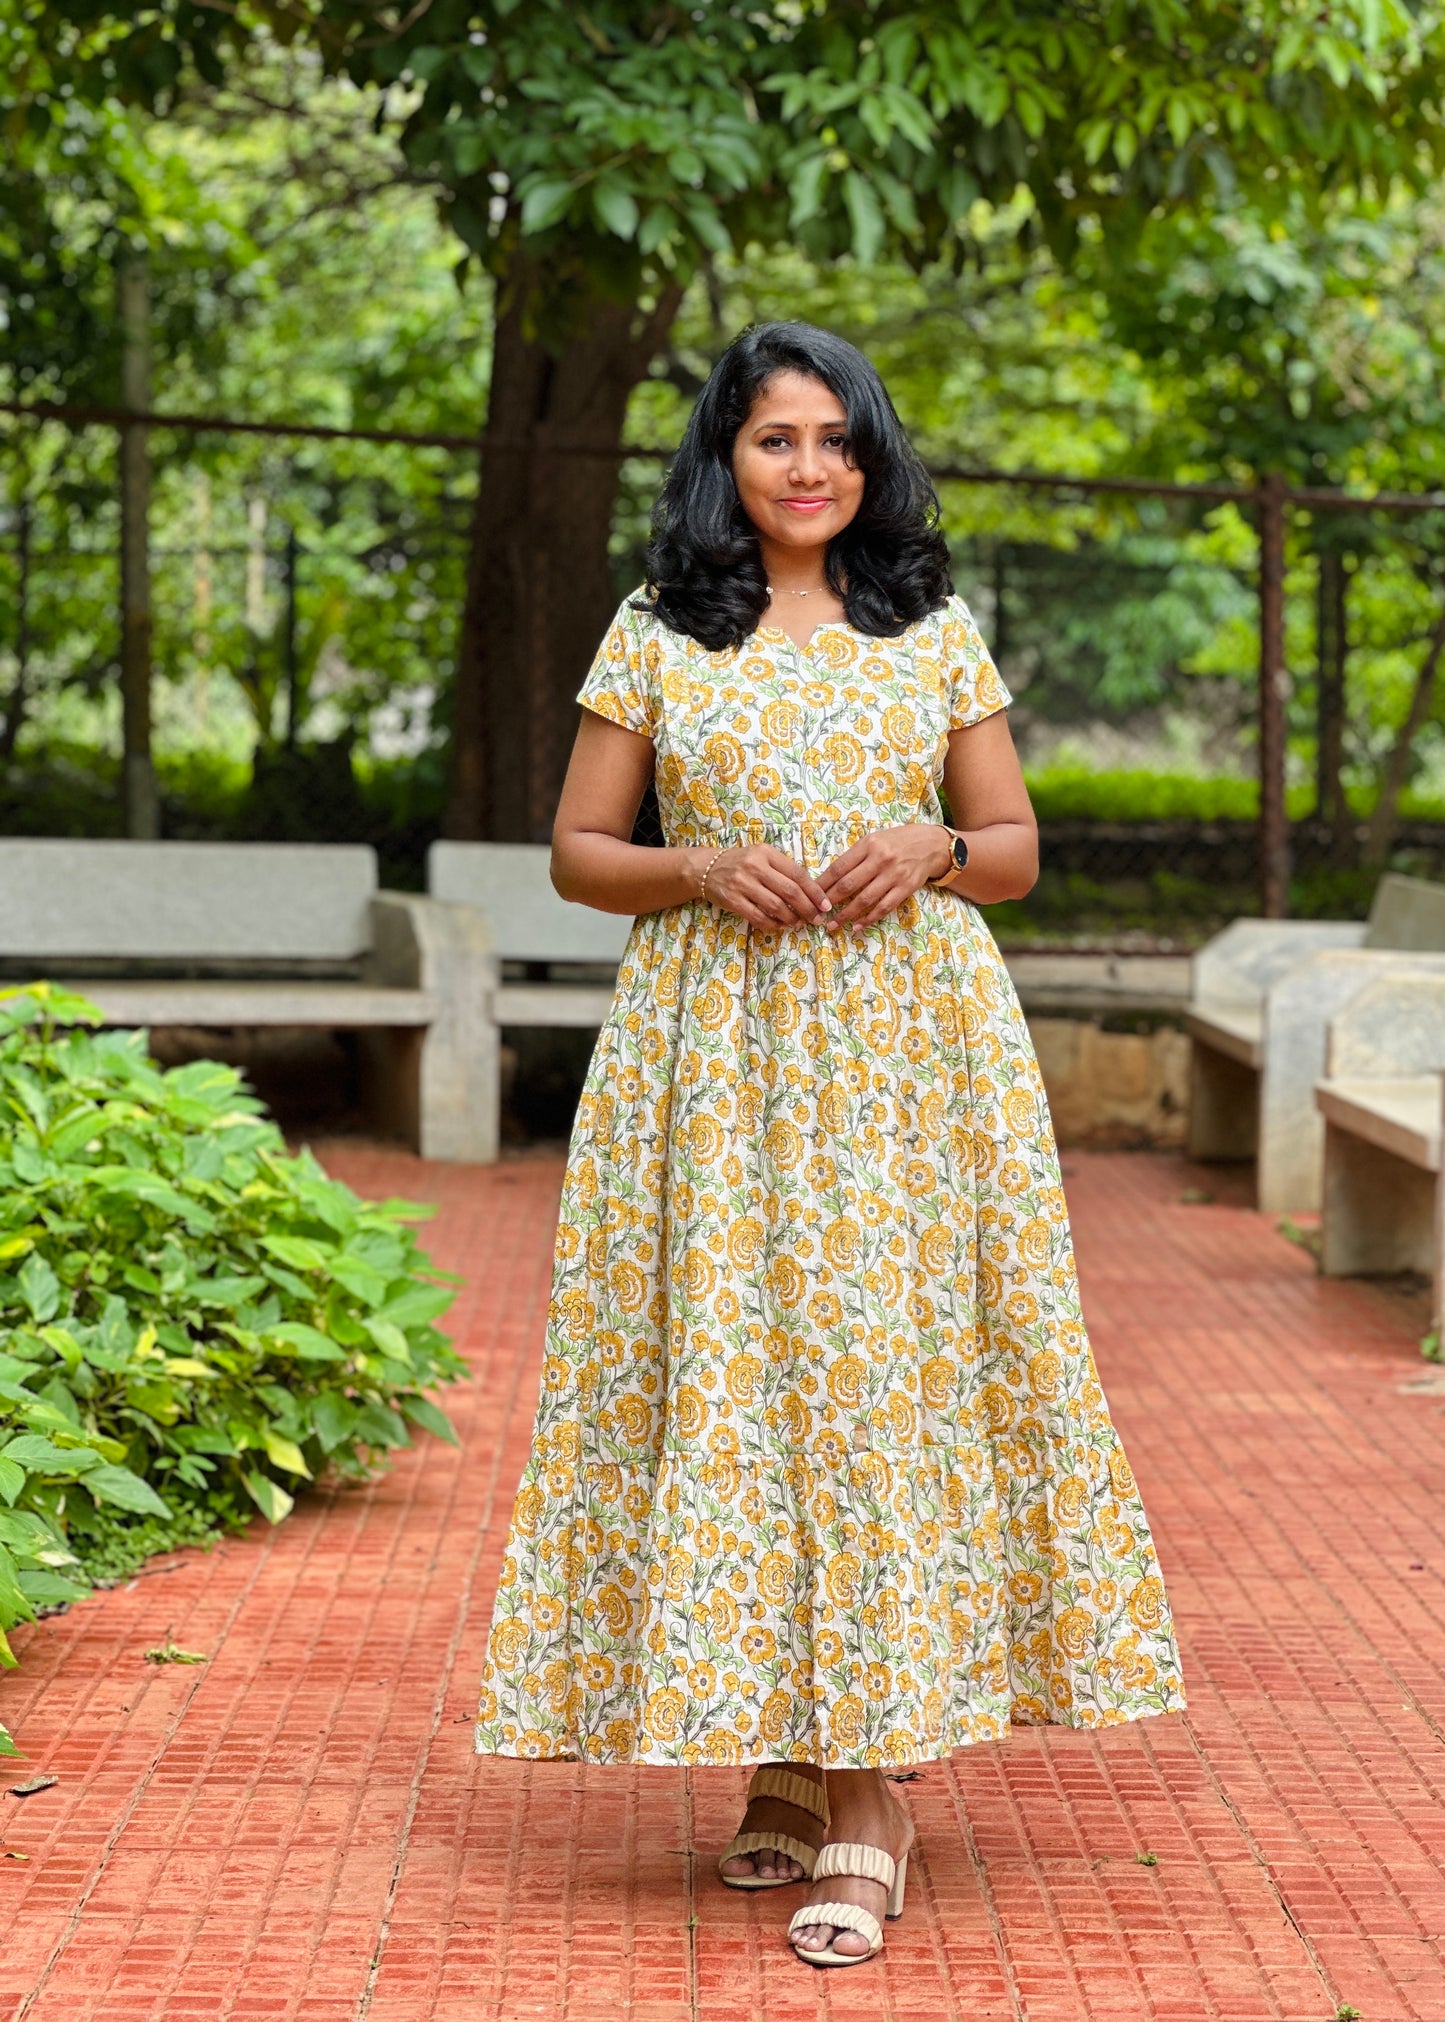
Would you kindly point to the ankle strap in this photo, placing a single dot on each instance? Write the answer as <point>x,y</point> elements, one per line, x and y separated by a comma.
<point>772,1780</point>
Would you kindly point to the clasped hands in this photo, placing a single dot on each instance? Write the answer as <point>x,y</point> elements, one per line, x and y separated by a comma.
<point>768,888</point>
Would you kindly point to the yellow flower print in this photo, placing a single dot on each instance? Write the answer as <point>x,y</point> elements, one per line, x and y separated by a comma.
<point>900,727</point>
<point>825,1309</point>
<point>847,1721</point>
<point>1072,1630</point>
<point>997,1406</point>
<point>846,1378</point>
<point>841,1244</point>
<point>699,1276</point>
<point>628,1287</point>
<point>781,722</point>
<point>786,1281</point>
<point>759,1645</point>
<point>508,1642</point>
<point>935,1249</point>
<point>1013,1177</point>
<point>774,1715</point>
<point>764,784</point>
<point>1121,1475</point>
<point>833,1108</point>
<point>598,1672</point>
<point>745,1242</point>
<point>741,1378</point>
<point>774,1577</point>
<point>723,1615</point>
<point>690,1412</point>
<point>1045,1375</point>
<point>1116,1537</point>
<point>841,1578</point>
<point>1071,1499</point>
<point>937,1379</point>
<point>527,1513</point>
<point>705,1139</point>
<point>845,757</point>
<point>828,1648</point>
<point>1146,1603</point>
<point>712,1006</point>
<point>783,1144</point>
<point>663,1713</point>
<point>725,757</point>
<point>1034,1243</point>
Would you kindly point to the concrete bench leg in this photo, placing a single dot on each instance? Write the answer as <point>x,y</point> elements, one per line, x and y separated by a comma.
<point>1379,1213</point>
<point>1223,1104</point>
<point>445,1090</point>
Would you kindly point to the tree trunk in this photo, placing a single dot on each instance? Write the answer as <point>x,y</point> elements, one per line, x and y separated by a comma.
<point>540,589</point>
<point>20,688</point>
<point>1332,634</point>
<point>1385,820</point>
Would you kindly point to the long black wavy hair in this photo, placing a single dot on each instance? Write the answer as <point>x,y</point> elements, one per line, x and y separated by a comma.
<point>705,573</point>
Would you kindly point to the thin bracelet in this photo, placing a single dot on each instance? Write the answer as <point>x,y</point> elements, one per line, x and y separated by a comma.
<point>721,851</point>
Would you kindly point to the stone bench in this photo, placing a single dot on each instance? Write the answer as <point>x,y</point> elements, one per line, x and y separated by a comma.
<point>1380,1103</point>
<point>223,935</point>
<point>1263,994</point>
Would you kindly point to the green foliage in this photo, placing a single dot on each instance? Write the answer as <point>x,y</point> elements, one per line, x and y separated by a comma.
<point>195,1323</point>
<point>622,145</point>
<point>1068,793</point>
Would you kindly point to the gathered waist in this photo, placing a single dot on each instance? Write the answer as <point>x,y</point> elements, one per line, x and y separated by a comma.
<point>814,837</point>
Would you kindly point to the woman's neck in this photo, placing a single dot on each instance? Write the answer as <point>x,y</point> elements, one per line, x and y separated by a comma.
<point>797,571</point>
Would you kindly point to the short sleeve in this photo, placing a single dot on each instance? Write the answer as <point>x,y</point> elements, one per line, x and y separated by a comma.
<point>620,684</point>
<point>975,687</point>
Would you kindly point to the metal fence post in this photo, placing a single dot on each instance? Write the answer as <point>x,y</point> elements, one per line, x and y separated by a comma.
<point>293,672</point>
<point>142,807</point>
<point>1274,849</point>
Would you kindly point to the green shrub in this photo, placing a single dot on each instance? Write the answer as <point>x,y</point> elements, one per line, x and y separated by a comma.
<point>1070,793</point>
<point>192,1322</point>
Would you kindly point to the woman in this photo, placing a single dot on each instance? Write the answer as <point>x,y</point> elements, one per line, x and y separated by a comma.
<point>822,1476</point>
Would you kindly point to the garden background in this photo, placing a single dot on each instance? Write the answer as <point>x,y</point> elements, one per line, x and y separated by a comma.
<point>1147,244</point>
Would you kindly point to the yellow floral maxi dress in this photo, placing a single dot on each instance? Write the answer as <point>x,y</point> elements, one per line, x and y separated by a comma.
<point>822,1470</point>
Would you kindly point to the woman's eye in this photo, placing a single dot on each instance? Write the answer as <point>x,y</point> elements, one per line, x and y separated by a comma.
<point>776,442</point>
<point>837,442</point>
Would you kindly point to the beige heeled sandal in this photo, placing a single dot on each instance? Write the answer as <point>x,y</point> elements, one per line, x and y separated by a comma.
<point>772,1780</point>
<point>864,1863</point>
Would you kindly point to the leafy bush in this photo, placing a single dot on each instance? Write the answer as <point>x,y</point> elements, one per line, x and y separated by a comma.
<point>194,1321</point>
<point>1070,793</point>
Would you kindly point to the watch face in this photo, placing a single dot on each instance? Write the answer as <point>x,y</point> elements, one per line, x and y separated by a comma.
<point>960,853</point>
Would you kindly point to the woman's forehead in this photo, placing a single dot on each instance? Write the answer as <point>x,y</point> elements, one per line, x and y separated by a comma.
<point>795,396</point>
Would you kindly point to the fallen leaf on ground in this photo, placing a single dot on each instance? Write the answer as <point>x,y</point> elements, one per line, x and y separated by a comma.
<point>172,1653</point>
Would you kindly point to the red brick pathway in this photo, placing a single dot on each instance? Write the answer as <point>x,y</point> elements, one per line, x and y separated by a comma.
<point>298,1829</point>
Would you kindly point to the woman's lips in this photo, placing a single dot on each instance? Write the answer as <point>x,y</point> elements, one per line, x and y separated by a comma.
<point>805,505</point>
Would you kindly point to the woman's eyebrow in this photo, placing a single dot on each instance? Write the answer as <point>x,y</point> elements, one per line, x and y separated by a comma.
<point>764,426</point>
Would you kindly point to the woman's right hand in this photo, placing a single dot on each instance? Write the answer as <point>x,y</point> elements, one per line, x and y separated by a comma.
<point>764,887</point>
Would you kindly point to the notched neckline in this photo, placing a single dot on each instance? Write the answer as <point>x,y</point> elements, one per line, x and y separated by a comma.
<point>824,625</point>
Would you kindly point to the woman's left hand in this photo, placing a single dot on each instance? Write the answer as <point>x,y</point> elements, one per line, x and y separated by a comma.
<point>881,871</point>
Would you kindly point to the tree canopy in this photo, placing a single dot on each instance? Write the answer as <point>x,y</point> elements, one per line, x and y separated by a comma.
<point>622,142</point>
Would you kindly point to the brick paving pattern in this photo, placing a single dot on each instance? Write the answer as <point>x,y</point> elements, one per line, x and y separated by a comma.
<point>298,1828</point>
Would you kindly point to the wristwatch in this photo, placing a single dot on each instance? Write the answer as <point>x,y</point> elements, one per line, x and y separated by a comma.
<point>957,856</point>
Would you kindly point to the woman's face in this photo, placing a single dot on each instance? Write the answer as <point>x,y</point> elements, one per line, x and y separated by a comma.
<point>789,463</point>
